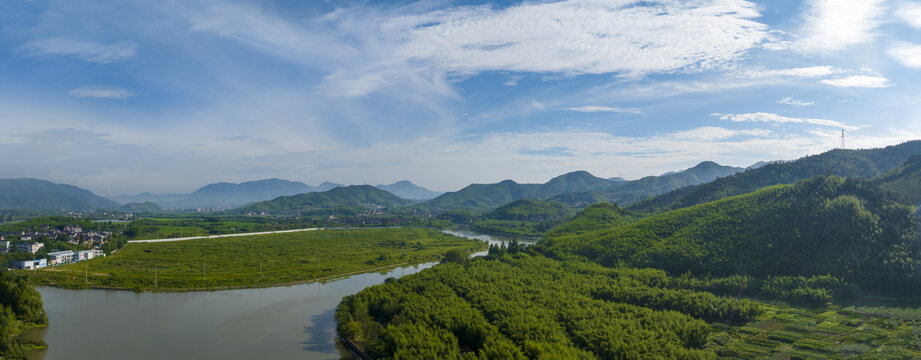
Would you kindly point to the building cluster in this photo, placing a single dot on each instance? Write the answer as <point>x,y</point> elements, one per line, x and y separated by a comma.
<point>57,258</point>
<point>72,234</point>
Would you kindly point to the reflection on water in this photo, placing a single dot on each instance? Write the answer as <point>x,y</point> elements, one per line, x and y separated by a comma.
<point>278,323</point>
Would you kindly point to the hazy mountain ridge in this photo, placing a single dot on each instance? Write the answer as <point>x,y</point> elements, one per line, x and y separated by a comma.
<point>632,191</point>
<point>487,196</point>
<point>35,194</point>
<point>865,163</point>
<point>407,190</point>
<point>346,200</point>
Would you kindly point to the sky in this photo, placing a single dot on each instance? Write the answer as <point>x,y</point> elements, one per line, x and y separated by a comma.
<point>167,96</point>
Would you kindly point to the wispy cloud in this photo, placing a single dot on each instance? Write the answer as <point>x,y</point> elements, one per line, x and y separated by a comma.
<point>85,50</point>
<point>714,133</point>
<point>907,54</point>
<point>795,102</point>
<point>910,13</point>
<point>774,118</point>
<point>801,72</point>
<point>426,47</point>
<point>104,92</point>
<point>832,25</point>
<point>859,81</point>
<point>610,109</point>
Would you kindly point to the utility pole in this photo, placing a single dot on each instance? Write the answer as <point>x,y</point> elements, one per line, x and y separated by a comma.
<point>86,272</point>
<point>202,271</point>
<point>155,278</point>
<point>842,139</point>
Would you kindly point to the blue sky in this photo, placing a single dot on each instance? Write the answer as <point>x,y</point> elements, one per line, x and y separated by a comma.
<point>166,96</point>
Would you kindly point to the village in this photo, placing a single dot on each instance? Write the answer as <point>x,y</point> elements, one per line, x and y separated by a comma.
<point>33,242</point>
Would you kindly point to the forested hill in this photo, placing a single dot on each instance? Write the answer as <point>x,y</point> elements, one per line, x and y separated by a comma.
<point>596,217</point>
<point>35,194</point>
<point>866,163</point>
<point>529,210</point>
<point>904,182</point>
<point>627,193</point>
<point>488,196</point>
<point>823,225</point>
<point>341,199</point>
<point>408,190</point>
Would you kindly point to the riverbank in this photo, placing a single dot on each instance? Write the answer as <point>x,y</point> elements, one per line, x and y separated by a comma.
<point>253,261</point>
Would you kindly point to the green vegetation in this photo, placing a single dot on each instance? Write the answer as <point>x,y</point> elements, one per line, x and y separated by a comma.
<point>595,217</point>
<point>140,208</point>
<point>609,285</point>
<point>20,310</point>
<point>348,200</point>
<point>523,218</point>
<point>824,225</point>
<point>490,196</point>
<point>632,191</point>
<point>846,163</point>
<point>904,182</point>
<point>259,260</point>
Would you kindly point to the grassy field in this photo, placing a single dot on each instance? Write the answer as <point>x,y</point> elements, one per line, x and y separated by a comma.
<point>259,260</point>
<point>782,332</point>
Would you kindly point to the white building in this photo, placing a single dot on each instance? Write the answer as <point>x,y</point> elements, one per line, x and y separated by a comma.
<point>60,257</point>
<point>29,264</point>
<point>87,254</point>
<point>30,247</point>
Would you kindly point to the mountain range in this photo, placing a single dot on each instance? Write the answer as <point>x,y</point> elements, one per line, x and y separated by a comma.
<point>35,194</point>
<point>340,200</point>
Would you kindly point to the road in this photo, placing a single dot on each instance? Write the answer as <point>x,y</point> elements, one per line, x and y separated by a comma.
<point>221,236</point>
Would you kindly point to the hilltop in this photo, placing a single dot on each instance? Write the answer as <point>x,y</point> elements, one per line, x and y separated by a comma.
<point>35,194</point>
<point>341,200</point>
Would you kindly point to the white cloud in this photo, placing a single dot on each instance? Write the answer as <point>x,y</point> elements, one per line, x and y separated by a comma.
<point>774,118</point>
<point>859,81</point>
<point>105,92</point>
<point>910,13</point>
<point>795,102</point>
<point>422,46</point>
<point>907,54</point>
<point>714,133</point>
<point>611,109</point>
<point>832,25</point>
<point>801,72</point>
<point>89,51</point>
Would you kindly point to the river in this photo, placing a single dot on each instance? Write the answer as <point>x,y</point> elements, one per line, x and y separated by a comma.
<point>284,322</point>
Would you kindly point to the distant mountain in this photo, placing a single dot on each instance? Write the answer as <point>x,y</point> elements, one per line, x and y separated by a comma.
<point>629,192</point>
<point>488,196</point>
<point>35,194</point>
<point>408,190</point>
<point>147,197</point>
<point>136,208</point>
<point>847,163</point>
<point>227,195</point>
<point>345,200</point>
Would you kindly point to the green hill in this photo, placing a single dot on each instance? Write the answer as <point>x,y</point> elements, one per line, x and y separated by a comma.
<point>866,163</point>
<point>629,192</point>
<point>529,210</point>
<point>823,225</point>
<point>35,194</point>
<point>489,196</point>
<point>904,182</point>
<point>348,199</point>
<point>595,217</point>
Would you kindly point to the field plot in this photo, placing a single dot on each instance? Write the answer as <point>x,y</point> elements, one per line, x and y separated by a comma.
<point>258,260</point>
<point>876,332</point>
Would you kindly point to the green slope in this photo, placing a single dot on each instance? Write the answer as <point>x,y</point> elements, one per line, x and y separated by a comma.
<point>595,217</point>
<point>823,225</point>
<point>529,210</point>
<point>847,163</point>
<point>345,199</point>
<point>35,194</point>
<point>904,182</point>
